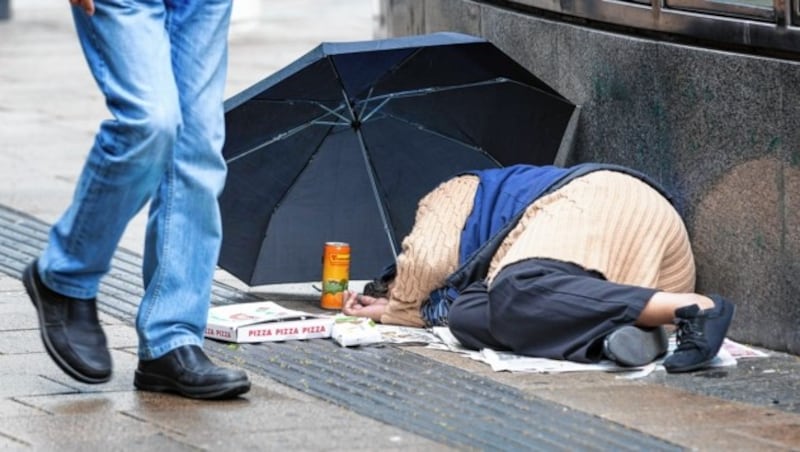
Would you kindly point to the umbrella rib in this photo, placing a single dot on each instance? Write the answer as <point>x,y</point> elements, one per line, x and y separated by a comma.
<point>295,130</point>
<point>441,135</point>
<point>385,98</point>
<point>374,185</point>
<point>319,104</point>
<point>336,113</point>
<point>278,137</point>
<point>366,103</point>
<point>376,109</point>
<point>356,125</point>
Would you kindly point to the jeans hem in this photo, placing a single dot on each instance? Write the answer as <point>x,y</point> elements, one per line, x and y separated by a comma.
<point>67,290</point>
<point>149,353</point>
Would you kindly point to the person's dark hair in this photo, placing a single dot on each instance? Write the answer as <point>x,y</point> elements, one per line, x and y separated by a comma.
<point>379,287</point>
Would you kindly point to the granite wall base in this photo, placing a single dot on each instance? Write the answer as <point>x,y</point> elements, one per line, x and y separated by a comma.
<point>5,9</point>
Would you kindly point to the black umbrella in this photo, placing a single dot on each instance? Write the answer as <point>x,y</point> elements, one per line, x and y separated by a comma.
<point>341,145</point>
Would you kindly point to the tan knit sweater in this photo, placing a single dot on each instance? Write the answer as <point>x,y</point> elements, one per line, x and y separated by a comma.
<point>430,251</point>
<point>605,221</point>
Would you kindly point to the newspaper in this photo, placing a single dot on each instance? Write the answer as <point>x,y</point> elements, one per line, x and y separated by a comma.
<point>351,331</point>
<point>501,361</point>
<point>408,335</point>
<point>258,322</point>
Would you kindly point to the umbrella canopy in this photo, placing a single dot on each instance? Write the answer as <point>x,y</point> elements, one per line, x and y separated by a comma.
<point>342,144</point>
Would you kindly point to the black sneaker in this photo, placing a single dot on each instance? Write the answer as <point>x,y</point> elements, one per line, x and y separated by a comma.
<point>700,335</point>
<point>631,346</point>
<point>70,331</point>
<point>187,371</point>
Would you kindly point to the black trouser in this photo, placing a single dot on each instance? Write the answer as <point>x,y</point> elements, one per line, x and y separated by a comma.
<point>547,309</point>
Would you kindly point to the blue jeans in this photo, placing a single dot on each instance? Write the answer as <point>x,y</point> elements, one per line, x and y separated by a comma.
<point>161,65</point>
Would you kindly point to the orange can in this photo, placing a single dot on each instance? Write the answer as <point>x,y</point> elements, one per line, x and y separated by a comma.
<point>335,274</point>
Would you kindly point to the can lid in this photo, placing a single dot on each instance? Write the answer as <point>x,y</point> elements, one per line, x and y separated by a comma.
<point>337,244</point>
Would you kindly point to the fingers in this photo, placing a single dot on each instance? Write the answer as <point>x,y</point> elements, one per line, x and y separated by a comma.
<point>366,300</point>
<point>358,305</point>
<point>350,302</point>
<point>86,5</point>
<point>355,298</point>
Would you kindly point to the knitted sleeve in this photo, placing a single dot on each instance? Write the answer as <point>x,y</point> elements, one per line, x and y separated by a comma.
<point>430,251</point>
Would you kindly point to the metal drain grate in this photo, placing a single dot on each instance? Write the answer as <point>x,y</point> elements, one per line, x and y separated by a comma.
<point>403,389</point>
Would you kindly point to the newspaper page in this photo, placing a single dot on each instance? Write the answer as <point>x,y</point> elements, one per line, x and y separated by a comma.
<point>501,361</point>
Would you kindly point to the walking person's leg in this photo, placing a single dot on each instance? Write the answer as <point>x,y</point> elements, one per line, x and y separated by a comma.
<point>184,228</point>
<point>128,54</point>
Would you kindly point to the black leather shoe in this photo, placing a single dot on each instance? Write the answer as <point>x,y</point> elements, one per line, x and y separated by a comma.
<point>700,335</point>
<point>632,346</point>
<point>187,371</point>
<point>70,331</point>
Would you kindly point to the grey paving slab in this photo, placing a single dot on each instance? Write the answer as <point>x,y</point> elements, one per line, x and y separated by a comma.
<point>9,287</point>
<point>20,384</point>
<point>265,419</point>
<point>9,407</point>
<point>12,444</point>
<point>20,341</point>
<point>290,423</point>
<point>365,437</point>
<point>121,380</point>
<point>81,431</point>
<point>121,336</point>
<point>17,315</point>
<point>25,372</point>
<point>20,329</point>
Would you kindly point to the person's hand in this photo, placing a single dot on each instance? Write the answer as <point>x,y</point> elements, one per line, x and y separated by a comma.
<point>86,5</point>
<point>359,305</point>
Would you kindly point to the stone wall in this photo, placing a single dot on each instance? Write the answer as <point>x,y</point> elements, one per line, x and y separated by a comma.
<point>5,9</point>
<point>718,129</point>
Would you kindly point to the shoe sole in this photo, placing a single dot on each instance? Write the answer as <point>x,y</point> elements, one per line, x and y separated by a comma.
<point>632,346</point>
<point>33,292</point>
<point>704,364</point>
<point>155,383</point>
<point>692,368</point>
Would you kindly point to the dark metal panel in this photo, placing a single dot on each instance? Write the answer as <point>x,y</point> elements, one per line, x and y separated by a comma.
<point>733,24</point>
<point>728,8</point>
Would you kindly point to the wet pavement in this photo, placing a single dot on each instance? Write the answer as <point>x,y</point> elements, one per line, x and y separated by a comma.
<point>307,395</point>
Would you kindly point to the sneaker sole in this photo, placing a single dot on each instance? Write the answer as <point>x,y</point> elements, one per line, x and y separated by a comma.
<point>33,293</point>
<point>157,383</point>
<point>685,369</point>
<point>632,346</point>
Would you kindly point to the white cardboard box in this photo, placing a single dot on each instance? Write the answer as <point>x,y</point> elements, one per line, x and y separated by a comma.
<point>265,321</point>
<point>349,331</point>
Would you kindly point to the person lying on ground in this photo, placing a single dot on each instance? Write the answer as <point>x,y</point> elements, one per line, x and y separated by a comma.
<point>579,263</point>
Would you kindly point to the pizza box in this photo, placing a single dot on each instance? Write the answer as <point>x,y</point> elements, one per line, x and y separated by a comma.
<point>265,321</point>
